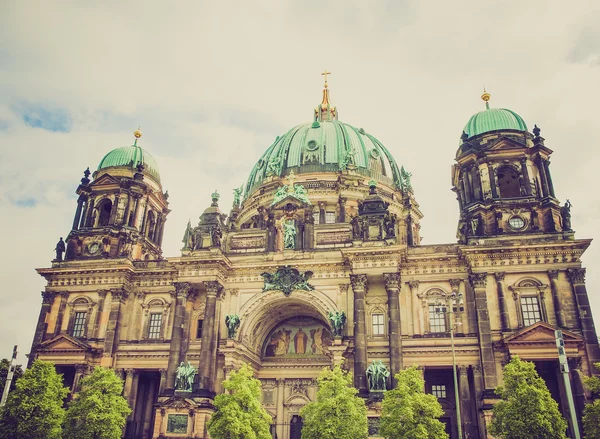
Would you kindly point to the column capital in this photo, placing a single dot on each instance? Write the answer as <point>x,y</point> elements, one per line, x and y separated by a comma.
<point>576,275</point>
<point>119,295</point>
<point>455,284</point>
<point>478,280</point>
<point>181,288</point>
<point>48,297</point>
<point>462,369</point>
<point>163,373</point>
<point>359,282</point>
<point>499,276</point>
<point>392,281</point>
<point>102,294</point>
<point>131,373</point>
<point>64,294</point>
<point>413,284</point>
<point>553,274</point>
<point>213,288</point>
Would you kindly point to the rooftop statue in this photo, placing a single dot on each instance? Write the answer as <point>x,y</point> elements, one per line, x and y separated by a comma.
<point>60,249</point>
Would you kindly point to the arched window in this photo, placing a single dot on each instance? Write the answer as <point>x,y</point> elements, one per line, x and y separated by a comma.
<point>104,209</point>
<point>79,318</point>
<point>528,295</point>
<point>508,182</point>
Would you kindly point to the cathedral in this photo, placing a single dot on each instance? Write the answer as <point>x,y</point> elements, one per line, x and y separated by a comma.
<point>319,262</point>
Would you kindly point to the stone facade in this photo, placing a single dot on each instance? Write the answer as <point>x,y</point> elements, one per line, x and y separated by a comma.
<point>284,259</point>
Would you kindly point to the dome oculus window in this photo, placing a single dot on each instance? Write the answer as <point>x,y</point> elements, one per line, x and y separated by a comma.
<point>312,145</point>
<point>375,154</point>
<point>516,223</point>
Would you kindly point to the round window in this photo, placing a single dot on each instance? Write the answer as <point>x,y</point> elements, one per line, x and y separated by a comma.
<point>312,145</point>
<point>375,154</point>
<point>516,222</point>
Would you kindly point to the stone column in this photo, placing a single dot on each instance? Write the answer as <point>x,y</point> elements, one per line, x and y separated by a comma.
<point>113,210</point>
<point>89,213</point>
<point>577,385</point>
<point>492,175</point>
<point>77,217</point>
<point>161,231</point>
<point>281,424</point>
<point>525,173</point>
<point>213,289</point>
<point>40,329</point>
<point>558,311</point>
<point>61,313</point>
<point>99,313</point>
<point>465,403</point>
<point>465,188</point>
<point>125,220</point>
<point>111,339</point>
<point>83,216</point>
<point>477,190</point>
<point>359,286</point>
<point>392,286</point>
<point>321,212</point>
<point>478,384</point>
<point>463,326</point>
<point>416,328</point>
<point>542,171</point>
<point>502,302</point>
<point>136,212</point>
<point>175,355</point>
<point>549,177</point>
<point>478,283</point>
<point>144,218</point>
<point>80,371</point>
<point>342,203</point>
<point>577,278</point>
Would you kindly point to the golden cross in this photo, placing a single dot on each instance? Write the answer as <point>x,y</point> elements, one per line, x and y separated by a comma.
<point>325,73</point>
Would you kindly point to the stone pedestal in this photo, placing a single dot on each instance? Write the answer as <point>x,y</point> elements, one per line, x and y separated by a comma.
<point>183,415</point>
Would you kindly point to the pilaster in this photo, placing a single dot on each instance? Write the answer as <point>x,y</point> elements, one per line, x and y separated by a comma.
<point>577,278</point>
<point>478,283</point>
<point>359,286</point>
<point>392,286</point>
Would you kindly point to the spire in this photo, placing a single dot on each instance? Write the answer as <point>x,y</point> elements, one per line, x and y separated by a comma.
<point>325,111</point>
<point>137,134</point>
<point>486,98</point>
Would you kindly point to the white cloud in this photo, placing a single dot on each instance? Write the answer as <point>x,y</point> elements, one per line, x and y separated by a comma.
<point>212,84</point>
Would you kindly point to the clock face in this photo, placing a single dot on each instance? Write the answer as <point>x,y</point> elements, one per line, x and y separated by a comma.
<point>93,248</point>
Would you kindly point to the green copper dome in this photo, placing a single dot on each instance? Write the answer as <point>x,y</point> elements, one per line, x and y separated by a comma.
<point>325,146</point>
<point>129,157</point>
<point>492,119</point>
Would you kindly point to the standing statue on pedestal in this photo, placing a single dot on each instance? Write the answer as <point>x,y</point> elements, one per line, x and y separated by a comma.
<point>184,379</point>
<point>377,375</point>
<point>289,234</point>
<point>337,319</point>
<point>233,323</point>
<point>565,212</point>
<point>60,249</point>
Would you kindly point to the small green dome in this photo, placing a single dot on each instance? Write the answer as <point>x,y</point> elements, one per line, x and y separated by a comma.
<point>493,119</point>
<point>325,146</point>
<point>129,157</point>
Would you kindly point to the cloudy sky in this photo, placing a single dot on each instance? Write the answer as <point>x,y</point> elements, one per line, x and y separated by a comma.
<point>213,83</point>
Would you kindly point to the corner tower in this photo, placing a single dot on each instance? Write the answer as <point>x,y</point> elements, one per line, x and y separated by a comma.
<point>502,179</point>
<point>122,212</point>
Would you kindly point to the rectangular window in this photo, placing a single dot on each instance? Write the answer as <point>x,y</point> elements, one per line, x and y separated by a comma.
<point>316,217</point>
<point>437,321</point>
<point>329,217</point>
<point>530,307</point>
<point>439,391</point>
<point>199,329</point>
<point>79,324</point>
<point>378,324</point>
<point>154,325</point>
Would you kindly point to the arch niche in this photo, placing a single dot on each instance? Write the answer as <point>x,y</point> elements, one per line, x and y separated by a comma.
<point>267,312</point>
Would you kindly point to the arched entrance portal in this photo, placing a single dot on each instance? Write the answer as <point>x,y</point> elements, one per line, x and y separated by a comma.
<point>296,427</point>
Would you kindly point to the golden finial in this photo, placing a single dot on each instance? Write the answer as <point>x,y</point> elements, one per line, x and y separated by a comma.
<point>137,134</point>
<point>325,73</point>
<point>486,98</point>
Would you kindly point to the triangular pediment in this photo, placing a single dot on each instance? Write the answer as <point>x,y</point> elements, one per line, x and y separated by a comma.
<point>541,332</point>
<point>105,180</point>
<point>504,143</point>
<point>64,342</point>
<point>290,199</point>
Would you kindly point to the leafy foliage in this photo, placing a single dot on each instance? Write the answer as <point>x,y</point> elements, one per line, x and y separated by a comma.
<point>527,409</point>
<point>99,411</point>
<point>591,414</point>
<point>35,408</point>
<point>408,412</point>
<point>4,365</point>
<point>338,413</point>
<point>239,413</point>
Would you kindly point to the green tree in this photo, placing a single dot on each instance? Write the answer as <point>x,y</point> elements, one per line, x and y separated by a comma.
<point>591,414</point>
<point>338,413</point>
<point>410,413</point>
<point>35,408</point>
<point>239,413</point>
<point>527,409</point>
<point>99,411</point>
<point>4,365</point>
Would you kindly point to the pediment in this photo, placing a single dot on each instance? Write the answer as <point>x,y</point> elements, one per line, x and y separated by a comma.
<point>505,143</point>
<point>289,199</point>
<point>541,333</point>
<point>64,342</point>
<point>104,180</point>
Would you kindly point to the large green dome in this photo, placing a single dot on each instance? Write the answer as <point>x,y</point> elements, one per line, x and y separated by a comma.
<point>325,146</point>
<point>129,157</point>
<point>492,119</point>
